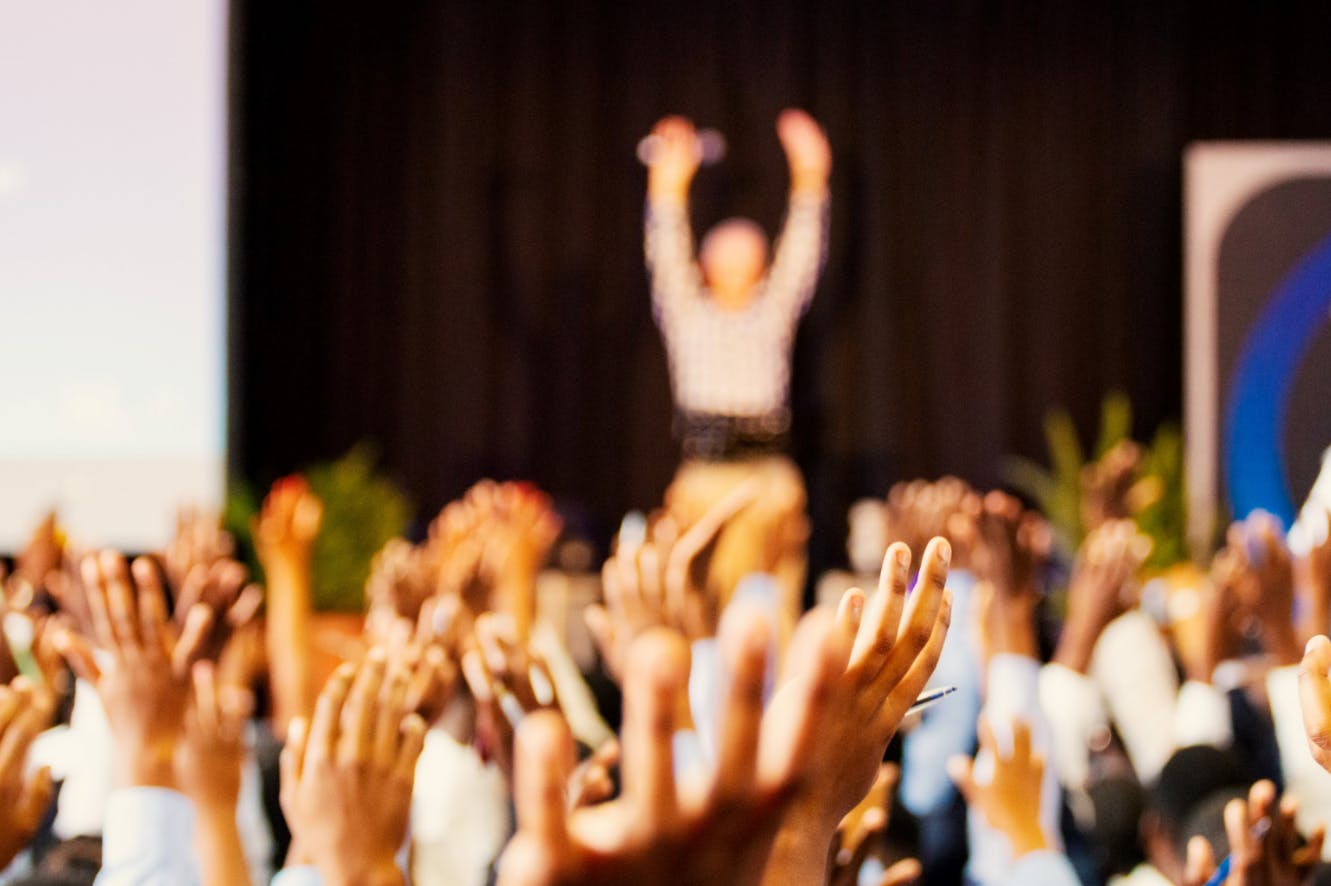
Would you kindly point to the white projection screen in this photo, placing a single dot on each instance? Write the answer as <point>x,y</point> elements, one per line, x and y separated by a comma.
<point>112,265</point>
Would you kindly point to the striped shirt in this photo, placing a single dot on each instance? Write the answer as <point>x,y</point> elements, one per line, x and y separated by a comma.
<point>726,362</point>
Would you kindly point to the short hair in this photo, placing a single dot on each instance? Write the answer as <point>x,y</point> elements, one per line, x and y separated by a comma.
<point>1207,819</point>
<point>1189,776</point>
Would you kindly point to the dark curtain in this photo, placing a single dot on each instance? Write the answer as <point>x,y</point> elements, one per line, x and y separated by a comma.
<point>437,217</point>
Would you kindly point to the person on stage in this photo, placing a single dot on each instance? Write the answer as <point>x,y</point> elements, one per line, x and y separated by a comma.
<point>728,319</point>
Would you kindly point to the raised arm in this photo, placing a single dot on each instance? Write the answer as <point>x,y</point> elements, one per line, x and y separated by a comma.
<point>800,251</point>
<point>668,239</point>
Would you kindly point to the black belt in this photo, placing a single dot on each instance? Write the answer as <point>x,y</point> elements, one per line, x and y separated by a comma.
<point>715,437</point>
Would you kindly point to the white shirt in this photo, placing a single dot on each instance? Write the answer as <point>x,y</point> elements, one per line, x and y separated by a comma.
<point>723,362</point>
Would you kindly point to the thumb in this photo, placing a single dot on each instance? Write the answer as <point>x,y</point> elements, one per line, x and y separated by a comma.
<point>36,799</point>
<point>1200,862</point>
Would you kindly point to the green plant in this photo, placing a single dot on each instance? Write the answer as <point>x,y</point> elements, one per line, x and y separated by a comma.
<point>362,509</point>
<point>1159,507</point>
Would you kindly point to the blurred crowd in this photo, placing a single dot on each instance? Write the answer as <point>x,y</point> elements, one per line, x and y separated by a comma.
<point>675,716</point>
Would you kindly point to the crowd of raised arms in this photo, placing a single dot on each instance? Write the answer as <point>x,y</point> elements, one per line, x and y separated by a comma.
<point>165,720</point>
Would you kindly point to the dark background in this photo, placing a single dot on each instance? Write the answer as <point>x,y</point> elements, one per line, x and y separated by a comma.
<point>436,224</point>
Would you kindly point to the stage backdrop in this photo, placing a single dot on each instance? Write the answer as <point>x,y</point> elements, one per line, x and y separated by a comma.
<point>1258,300</point>
<point>438,239</point>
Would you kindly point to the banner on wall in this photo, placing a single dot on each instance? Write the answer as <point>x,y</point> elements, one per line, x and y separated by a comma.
<point>1257,220</point>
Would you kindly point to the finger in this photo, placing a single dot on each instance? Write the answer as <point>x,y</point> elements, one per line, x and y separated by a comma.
<point>227,580</point>
<point>477,677</point>
<point>95,592</point>
<point>120,599</point>
<point>413,731</point>
<point>388,722</point>
<point>878,630</point>
<point>903,873</point>
<point>1241,845</point>
<point>292,759</point>
<point>543,759</point>
<point>921,612</point>
<point>657,676</point>
<point>205,696</point>
<point>849,617</point>
<point>246,607</point>
<point>902,694</point>
<point>190,645</point>
<point>851,855</point>
<point>9,705</point>
<point>358,713</point>
<point>151,606</point>
<point>1200,864</point>
<point>1315,698</point>
<point>325,728</point>
<point>745,638</point>
<point>77,654</point>
<point>650,577</point>
<point>192,590</point>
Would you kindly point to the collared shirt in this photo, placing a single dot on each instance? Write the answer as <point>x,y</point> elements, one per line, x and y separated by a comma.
<point>724,362</point>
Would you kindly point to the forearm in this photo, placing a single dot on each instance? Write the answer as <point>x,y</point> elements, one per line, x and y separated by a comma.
<point>221,854</point>
<point>288,642</point>
<point>800,250</point>
<point>1076,643</point>
<point>144,764</point>
<point>799,855</point>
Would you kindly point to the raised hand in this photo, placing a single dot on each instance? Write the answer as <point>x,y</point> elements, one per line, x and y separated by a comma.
<point>676,159</point>
<point>1212,634</point>
<point>1010,801</point>
<point>1008,548</point>
<point>144,682</point>
<point>212,747</point>
<point>24,713</point>
<point>891,646</point>
<point>1107,563</point>
<point>1268,591</point>
<point>199,540</point>
<point>507,681</point>
<point>807,150</point>
<point>208,766</point>
<point>399,584</point>
<point>1110,488</point>
<point>662,582</point>
<point>1315,698</point>
<point>347,775</point>
<point>284,533</point>
<point>720,830</point>
<point>489,547</point>
<point>1265,849</point>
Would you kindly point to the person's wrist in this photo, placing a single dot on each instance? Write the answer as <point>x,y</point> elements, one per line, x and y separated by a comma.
<point>1026,837</point>
<point>808,182</point>
<point>363,872</point>
<point>800,850</point>
<point>287,566</point>
<point>151,765</point>
<point>1074,648</point>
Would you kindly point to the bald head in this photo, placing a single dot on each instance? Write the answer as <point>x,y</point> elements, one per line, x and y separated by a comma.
<point>733,258</point>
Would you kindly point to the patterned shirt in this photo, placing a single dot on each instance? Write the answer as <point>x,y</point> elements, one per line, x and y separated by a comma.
<point>726,362</point>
